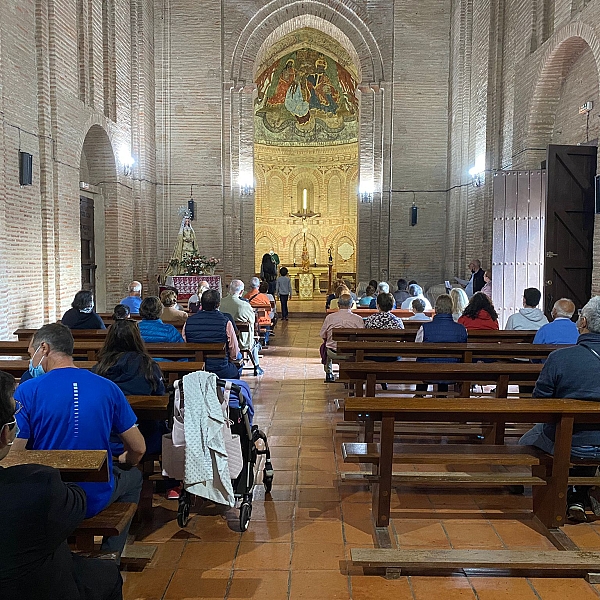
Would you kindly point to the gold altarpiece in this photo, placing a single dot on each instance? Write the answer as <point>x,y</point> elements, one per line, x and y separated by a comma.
<point>324,179</point>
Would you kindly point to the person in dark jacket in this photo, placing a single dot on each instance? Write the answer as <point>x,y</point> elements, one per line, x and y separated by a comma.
<point>476,282</point>
<point>124,360</point>
<point>38,514</point>
<point>441,329</point>
<point>574,372</point>
<point>479,313</point>
<point>81,315</point>
<point>401,294</point>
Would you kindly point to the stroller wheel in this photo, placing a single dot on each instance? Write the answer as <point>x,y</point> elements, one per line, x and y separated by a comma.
<point>268,483</point>
<point>183,511</point>
<point>245,514</point>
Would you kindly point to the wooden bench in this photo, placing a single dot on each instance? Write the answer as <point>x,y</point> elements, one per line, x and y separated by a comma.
<point>467,374</point>
<point>88,350</point>
<point>74,465</point>
<point>109,522</point>
<point>467,353</point>
<point>171,370</point>
<point>408,335</point>
<point>401,313</point>
<point>549,475</point>
<point>523,563</point>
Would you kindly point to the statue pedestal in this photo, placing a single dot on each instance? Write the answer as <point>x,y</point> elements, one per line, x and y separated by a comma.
<point>306,286</point>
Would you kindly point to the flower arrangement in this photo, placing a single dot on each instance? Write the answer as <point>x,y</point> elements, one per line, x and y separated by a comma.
<point>197,264</point>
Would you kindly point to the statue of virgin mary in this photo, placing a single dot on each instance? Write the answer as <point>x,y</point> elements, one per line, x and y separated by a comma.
<point>184,247</point>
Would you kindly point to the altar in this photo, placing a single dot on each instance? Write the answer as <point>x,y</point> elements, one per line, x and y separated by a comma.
<point>186,285</point>
<point>320,279</point>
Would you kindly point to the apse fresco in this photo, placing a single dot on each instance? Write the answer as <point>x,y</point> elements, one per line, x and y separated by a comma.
<point>306,98</point>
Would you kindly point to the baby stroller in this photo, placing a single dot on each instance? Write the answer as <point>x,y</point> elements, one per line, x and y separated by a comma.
<point>240,415</point>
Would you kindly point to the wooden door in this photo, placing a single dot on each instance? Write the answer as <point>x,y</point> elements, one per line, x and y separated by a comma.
<point>569,224</point>
<point>88,253</point>
<point>518,238</point>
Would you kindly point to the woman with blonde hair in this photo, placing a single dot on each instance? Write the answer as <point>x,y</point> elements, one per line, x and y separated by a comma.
<point>459,302</point>
<point>341,289</point>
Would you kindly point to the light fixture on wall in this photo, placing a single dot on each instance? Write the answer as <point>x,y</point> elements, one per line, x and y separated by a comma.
<point>365,192</point>
<point>127,161</point>
<point>477,171</point>
<point>305,212</point>
<point>246,183</point>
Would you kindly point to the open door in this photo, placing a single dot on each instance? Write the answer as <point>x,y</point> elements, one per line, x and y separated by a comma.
<point>88,251</point>
<point>569,224</point>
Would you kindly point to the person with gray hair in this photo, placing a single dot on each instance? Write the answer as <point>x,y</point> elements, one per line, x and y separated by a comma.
<point>561,330</point>
<point>476,281</point>
<point>416,292</point>
<point>574,372</point>
<point>383,287</point>
<point>240,310</point>
<point>343,318</point>
<point>66,408</point>
<point>134,299</point>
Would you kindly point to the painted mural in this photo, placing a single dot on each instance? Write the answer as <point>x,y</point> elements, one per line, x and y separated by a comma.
<point>306,98</point>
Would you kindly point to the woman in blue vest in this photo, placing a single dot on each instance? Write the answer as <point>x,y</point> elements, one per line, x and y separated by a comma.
<point>441,329</point>
<point>210,326</point>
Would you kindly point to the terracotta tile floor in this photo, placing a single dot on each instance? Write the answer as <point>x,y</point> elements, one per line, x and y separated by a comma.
<point>299,539</point>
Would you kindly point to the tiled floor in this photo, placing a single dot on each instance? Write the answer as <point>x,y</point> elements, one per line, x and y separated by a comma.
<point>299,539</point>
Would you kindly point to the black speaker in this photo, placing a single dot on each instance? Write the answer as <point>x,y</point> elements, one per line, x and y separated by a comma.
<point>414,213</point>
<point>597,191</point>
<point>192,209</point>
<point>25,168</point>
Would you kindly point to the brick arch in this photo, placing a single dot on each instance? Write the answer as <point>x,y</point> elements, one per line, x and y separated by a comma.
<point>564,48</point>
<point>100,155</point>
<point>334,18</point>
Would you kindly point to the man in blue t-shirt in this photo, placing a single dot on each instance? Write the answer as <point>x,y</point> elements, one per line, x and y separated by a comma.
<point>66,408</point>
<point>134,299</point>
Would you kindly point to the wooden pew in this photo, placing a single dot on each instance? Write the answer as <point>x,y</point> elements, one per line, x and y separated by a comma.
<point>150,407</point>
<point>78,334</point>
<point>74,465</point>
<point>549,475</point>
<point>408,335</point>
<point>398,312</point>
<point>172,370</point>
<point>500,374</point>
<point>466,353</point>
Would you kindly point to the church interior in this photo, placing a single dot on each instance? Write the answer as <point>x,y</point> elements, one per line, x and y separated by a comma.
<point>168,142</point>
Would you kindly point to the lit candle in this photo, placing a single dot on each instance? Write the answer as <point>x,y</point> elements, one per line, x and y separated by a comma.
<point>304,200</point>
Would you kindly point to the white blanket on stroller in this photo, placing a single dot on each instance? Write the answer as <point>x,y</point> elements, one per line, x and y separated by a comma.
<point>206,468</point>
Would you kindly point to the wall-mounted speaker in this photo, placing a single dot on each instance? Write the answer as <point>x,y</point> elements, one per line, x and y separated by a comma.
<point>192,209</point>
<point>414,215</point>
<point>25,168</point>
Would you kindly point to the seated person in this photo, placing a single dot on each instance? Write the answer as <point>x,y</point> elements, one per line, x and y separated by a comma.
<point>401,294</point>
<point>255,297</point>
<point>124,360</point>
<point>330,297</point>
<point>561,330</point>
<point>340,290</point>
<point>81,315</point>
<point>152,328</point>
<point>384,319</point>
<point>263,288</point>
<point>365,301</point>
<point>479,313</point>
<point>238,309</point>
<point>343,318</point>
<point>416,292</point>
<point>171,314</point>
<point>383,287</point>
<point>66,408</point>
<point>121,312</point>
<point>40,513</point>
<point>418,307</point>
<point>210,326</point>
<point>194,300</point>
<point>441,329</point>
<point>134,299</point>
<point>530,317</point>
<point>459,302</point>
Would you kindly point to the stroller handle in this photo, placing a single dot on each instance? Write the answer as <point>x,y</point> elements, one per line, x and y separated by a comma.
<point>236,388</point>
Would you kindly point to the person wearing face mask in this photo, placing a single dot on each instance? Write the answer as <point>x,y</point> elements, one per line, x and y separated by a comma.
<point>81,315</point>
<point>574,372</point>
<point>73,409</point>
<point>38,514</point>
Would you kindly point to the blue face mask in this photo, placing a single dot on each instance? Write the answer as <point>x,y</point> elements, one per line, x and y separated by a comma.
<point>36,371</point>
